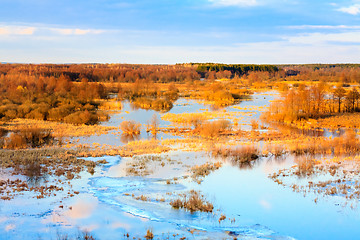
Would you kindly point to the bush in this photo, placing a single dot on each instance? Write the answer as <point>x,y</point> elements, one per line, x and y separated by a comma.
<point>15,141</point>
<point>83,117</point>
<point>10,114</point>
<point>36,114</point>
<point>32,137</point>
<point>130,127</point>
<point>59,113</point>
<point>23,110</point>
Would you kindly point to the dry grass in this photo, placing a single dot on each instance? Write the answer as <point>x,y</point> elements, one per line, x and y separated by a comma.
<point>149,234</point>
<point>36,163</point>
<point>193,202</point>
<point>204,170</point>
<point>276,150</point>
<point>129,150</point>
<point>214,129</point>
<point>110,105</point>
<point>240,155</point>
<point>193,119</point>
<point>140,165</point>
<point>58,129</point>
<point>347,144</point>
<point>334,177</point>
<point>305,166</point>
<point>343,120</point>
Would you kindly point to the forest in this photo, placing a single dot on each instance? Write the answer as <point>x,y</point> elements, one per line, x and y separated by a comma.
<point>71,92</point>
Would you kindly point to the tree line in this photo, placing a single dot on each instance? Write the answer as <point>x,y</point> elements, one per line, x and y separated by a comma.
<point>316,101</point>
<point>235,69</point>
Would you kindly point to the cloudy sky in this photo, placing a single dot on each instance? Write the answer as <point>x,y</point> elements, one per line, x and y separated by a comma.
<point>176,31</point>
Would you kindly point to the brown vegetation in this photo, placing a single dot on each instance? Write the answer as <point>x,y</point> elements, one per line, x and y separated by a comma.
<point>193,202</point>
<point>149,234</point>
<point>317,101</point>
<point>28,137</point>
<point>204,170</point>
<point>34,164</point>
<point>139,165</point>
<point>213,129</point>
<point>305,166</point>
<point>239,155</point>
<point>347,144</point>
<point>130,127</point>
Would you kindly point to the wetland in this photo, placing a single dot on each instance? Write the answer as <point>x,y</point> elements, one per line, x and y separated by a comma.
<point>224,158</point>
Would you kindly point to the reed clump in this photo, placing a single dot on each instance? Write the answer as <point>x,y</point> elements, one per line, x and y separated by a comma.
<point>205,169</point>
<point>149,234</point>
<point>305,166</point>
<point>244,154</point>
<point>214,129</point>
<point>192,202</point>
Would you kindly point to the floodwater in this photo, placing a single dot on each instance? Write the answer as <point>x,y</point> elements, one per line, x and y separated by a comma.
<point>254,205</point>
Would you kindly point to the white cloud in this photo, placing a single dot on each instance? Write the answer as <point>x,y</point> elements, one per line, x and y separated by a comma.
<point>11,30</point>
<point>240,3</point>
<point>17,30</point>
<point>324,27</point>
<point>75,31</point>
<point>321,38</point>
<point>353,10</point>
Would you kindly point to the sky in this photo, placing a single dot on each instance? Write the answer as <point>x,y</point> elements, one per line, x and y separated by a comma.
<point>180,31</point>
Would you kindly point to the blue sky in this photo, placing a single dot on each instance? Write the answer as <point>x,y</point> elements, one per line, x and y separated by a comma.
<point>175,31</point>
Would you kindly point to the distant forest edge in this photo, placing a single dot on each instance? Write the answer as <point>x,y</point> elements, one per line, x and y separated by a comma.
<point>170,73</point>
<point>239,69</point>
<point>78,93</point>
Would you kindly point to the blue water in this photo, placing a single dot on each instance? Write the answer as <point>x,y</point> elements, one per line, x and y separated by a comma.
<point>105,207</point>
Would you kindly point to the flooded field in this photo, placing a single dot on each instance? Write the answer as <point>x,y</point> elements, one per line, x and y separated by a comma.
<point>134,196</point>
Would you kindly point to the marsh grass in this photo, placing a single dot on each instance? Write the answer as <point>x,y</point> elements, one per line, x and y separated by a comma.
<point>158,104</point>
<point>33,170</point>
<point>141,165</point>
<point>36,164</point>
<point>277,150</point>
<point>347,144</point>
<point>80,236</point>
<point>214,129</point>
<point>305,166</point>
<point>110,105</point>
<point>193,202</point>
<point>204,170</point>
<point>149,234</point>
<point>242,156</point>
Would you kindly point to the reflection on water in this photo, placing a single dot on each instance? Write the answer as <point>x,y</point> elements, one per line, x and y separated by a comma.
<point>319,132</point>
<point>255,206</point>
<point>125,138</point>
